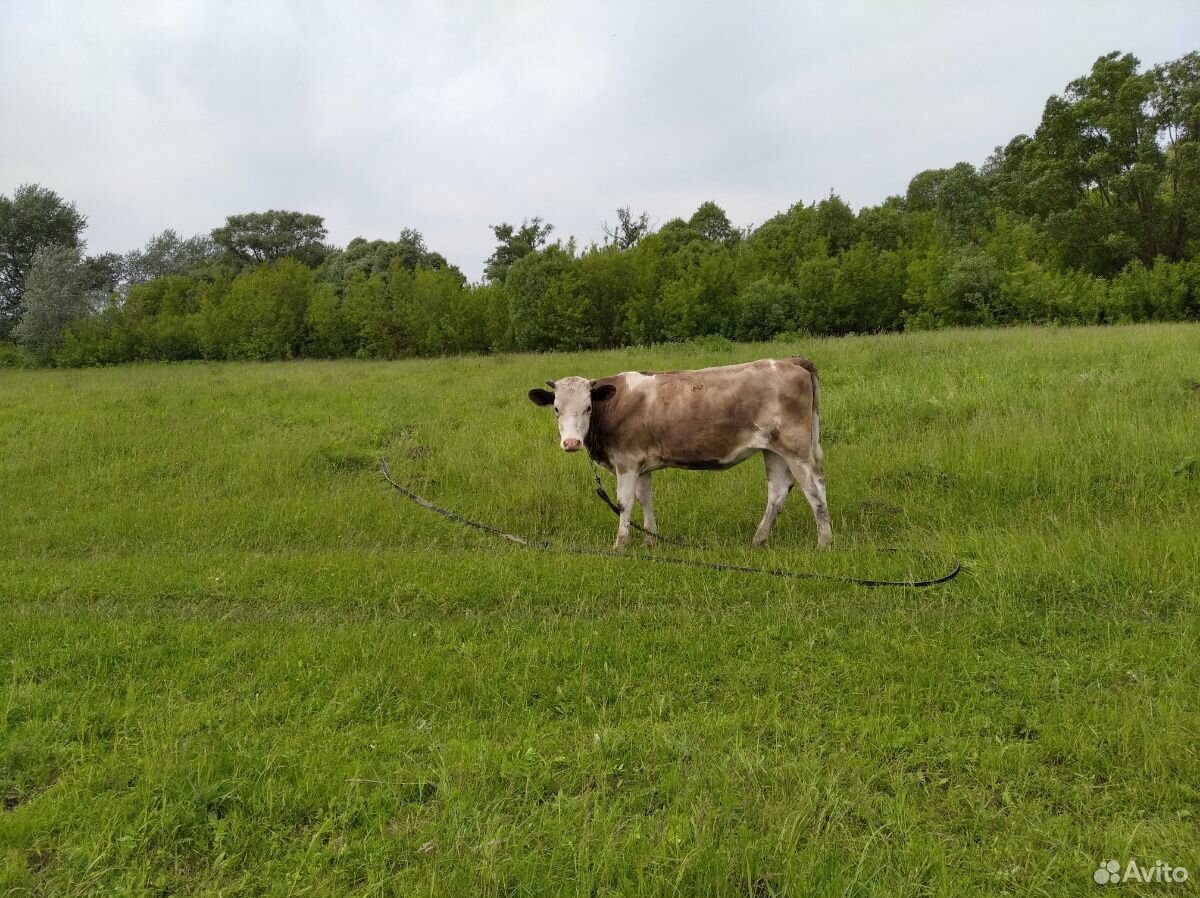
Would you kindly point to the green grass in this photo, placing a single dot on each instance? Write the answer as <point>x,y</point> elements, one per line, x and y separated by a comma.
<point>234,662</point>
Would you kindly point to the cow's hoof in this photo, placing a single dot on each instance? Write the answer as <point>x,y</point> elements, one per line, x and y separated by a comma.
<point>649,542</point>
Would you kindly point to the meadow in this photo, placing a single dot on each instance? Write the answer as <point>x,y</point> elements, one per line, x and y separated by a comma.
<point>236,662</point>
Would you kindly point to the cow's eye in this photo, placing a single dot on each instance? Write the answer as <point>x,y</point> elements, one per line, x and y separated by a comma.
<point>588,410</point>
<point>556,413</point>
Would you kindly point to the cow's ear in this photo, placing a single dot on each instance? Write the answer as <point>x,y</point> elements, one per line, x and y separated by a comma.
<point>551,384</point>
<point>603,393</point>
<point>538,396</point>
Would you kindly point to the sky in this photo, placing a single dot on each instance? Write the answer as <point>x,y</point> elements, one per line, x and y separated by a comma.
<point>449,117</point>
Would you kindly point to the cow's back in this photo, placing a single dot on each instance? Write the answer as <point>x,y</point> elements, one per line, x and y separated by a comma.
<point>702,418</point>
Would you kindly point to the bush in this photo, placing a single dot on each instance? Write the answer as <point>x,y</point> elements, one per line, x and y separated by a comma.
<point>330,334</point>
<point>1165,292</point>
<point>10,356</point>
<point>261,316</point>
<point>767,308</point>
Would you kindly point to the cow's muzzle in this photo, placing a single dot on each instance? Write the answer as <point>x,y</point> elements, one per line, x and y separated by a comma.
<point>572,445</point>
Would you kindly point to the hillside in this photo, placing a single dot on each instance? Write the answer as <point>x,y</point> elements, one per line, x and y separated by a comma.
<point>236,662</point>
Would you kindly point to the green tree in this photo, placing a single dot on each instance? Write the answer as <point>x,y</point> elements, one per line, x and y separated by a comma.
<point>836,224</point>
<point>442,323</point>
<point>887,226</point>
<point>1162,292</point>
<point>258,237</point>
<point>105,272</point>
<point>654,263</point>
<point>329,333</point>
<point>702,300</point>
<point>56,293</point>
<point>675,235</point>
<point>547,305</point>
<point>608,280</point>
<point>628,230</point>
<point>959,288</point>
<point>166,254</point>
<point>375,310</point>
<point>33,218</point>
<point>513,244</point>
<point>868,291</point>
<point>1176,101</point>
<point>261,316</point>
<point>815,278</point>
<point>711,223</point>
<point>960,197</point>
<point>375,257</point>
<point>158,318</point>
<point>1093,173</point>
<point>770,251</point>
<point>489,303</point>
<point>767,308</point>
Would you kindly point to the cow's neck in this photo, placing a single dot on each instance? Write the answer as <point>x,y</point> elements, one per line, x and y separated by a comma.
<point>595,441</point>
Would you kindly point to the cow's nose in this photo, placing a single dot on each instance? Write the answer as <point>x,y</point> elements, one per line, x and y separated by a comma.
<point>572,445</point>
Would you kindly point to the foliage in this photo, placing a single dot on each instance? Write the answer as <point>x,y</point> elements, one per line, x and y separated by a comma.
<point>513,244</point>
<point>711,223</point>
<point>375,258</point>
<point>35,217</point>
<point>628,230</point>
<point>57,291</point>
<point>166,254</point>
<point>259,237</point>
<point>1109,174</point>
<point>548,307</point>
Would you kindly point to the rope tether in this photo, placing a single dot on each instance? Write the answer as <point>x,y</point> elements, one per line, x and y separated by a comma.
<point>545,545</point>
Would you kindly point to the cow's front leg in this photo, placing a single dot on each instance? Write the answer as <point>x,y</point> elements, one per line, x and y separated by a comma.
<point>645,497</point>
<point>627,482</point>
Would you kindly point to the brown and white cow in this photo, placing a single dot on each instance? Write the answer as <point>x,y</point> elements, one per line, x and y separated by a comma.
<point>709,419</point>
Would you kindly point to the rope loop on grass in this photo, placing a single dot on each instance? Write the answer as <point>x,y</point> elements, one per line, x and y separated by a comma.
<point>547,546</point>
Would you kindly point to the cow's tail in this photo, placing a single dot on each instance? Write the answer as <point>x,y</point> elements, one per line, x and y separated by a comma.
<point>816,403</point>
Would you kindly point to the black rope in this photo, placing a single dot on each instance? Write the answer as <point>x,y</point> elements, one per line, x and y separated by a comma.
<point>616,509</point>
<point>661,559</point>
<point>447,513</point>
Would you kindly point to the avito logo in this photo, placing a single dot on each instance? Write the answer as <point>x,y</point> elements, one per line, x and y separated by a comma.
<point>1109,872</point>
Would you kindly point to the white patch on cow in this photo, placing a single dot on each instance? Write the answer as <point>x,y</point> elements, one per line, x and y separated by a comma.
<point>635,380</point>
<point>573,407</point>
<point>764,433</point>
<point>741,455</point>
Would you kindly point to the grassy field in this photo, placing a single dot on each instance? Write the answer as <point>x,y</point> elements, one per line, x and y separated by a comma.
<point>235,662</point>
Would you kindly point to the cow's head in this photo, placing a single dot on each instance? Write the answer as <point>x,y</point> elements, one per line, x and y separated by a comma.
<point>572,398</point>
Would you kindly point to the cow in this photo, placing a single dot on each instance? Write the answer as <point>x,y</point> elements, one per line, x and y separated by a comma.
<point>709,419</point>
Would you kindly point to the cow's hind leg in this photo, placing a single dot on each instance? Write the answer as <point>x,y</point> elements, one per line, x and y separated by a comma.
<point>779,484</point>
<point>645,497</point>
<point>810,475</point>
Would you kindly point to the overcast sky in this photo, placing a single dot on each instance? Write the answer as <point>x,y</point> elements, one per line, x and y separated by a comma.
<point>448,117</point>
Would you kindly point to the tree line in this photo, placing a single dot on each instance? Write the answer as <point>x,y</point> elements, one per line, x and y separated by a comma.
<point>1092,219</point>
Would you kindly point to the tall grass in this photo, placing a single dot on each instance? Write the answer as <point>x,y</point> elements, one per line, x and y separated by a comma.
<point>235,662</point>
